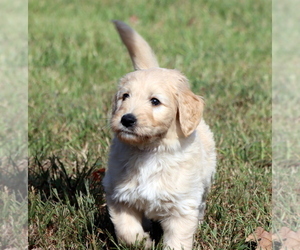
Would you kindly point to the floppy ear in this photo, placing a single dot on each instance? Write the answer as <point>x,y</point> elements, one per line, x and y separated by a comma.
<point>141,54</point>
<point>190,110</point>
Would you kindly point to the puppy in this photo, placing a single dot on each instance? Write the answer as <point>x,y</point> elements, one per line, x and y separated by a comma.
<point>162,157</point>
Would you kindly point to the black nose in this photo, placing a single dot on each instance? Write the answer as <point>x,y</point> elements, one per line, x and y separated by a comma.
<point>128,120</point>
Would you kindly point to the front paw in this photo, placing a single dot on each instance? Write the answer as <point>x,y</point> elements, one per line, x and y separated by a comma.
<point>139,241</point>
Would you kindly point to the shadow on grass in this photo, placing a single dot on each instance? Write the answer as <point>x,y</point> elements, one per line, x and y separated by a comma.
<point>54,183</point>
<point>13,176</point>
<point>79,189</point>
<point>13,202</point>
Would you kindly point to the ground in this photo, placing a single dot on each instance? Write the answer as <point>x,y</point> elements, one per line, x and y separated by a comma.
<point>75,61</point>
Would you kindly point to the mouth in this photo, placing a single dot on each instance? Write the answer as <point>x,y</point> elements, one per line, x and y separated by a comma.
<point>129,137</point>
<point>134,138</point>
<point>126,132</point>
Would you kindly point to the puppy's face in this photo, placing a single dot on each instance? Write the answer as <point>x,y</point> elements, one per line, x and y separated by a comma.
<point>148,104</point>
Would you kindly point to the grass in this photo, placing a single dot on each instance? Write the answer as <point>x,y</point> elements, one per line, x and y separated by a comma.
<point>286,146</point>
<point>13,125</point>
<point>75,60</point>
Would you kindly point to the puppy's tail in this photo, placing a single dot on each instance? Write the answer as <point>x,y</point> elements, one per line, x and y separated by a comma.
<point>140,52</point>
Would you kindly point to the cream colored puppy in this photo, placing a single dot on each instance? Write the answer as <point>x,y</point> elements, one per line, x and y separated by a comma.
<point>162,158</point>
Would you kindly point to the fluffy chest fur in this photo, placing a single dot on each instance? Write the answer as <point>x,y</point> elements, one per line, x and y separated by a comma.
<point>159,181</point>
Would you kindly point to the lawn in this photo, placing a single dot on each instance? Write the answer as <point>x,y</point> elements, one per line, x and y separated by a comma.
<point>75,61</point>
<point>13,124</point>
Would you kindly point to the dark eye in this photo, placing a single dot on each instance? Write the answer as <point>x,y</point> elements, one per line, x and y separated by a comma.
<point>155,102</point>
<point>125,96</point>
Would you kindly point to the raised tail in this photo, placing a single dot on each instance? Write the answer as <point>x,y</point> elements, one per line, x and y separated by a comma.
<point>141,54</point>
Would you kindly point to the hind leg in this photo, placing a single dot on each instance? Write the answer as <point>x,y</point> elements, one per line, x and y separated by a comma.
<point>201,212</point>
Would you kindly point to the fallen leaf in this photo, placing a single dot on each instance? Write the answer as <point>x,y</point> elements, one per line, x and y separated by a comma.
<point>285,238</point>
<point>289,239</point>
<point>262,238</point>
<point>97,175</point>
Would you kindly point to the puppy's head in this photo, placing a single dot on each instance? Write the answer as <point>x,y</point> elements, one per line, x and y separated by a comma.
<point>153,104</point>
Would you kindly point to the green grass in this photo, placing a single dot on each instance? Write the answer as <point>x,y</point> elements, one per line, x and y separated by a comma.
<point>286,146</point>
<point>75,61</point>
<point>13,125</point>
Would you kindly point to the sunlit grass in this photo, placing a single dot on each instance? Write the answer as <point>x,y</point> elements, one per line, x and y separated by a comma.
<point>76,58</point>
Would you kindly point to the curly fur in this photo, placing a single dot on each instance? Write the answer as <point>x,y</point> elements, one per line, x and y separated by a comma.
<point>162,159</point>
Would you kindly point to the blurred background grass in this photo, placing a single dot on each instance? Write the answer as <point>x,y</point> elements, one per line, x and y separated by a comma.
<point>13,124</point>
<point>75,61</point>
<point>285,115</point>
